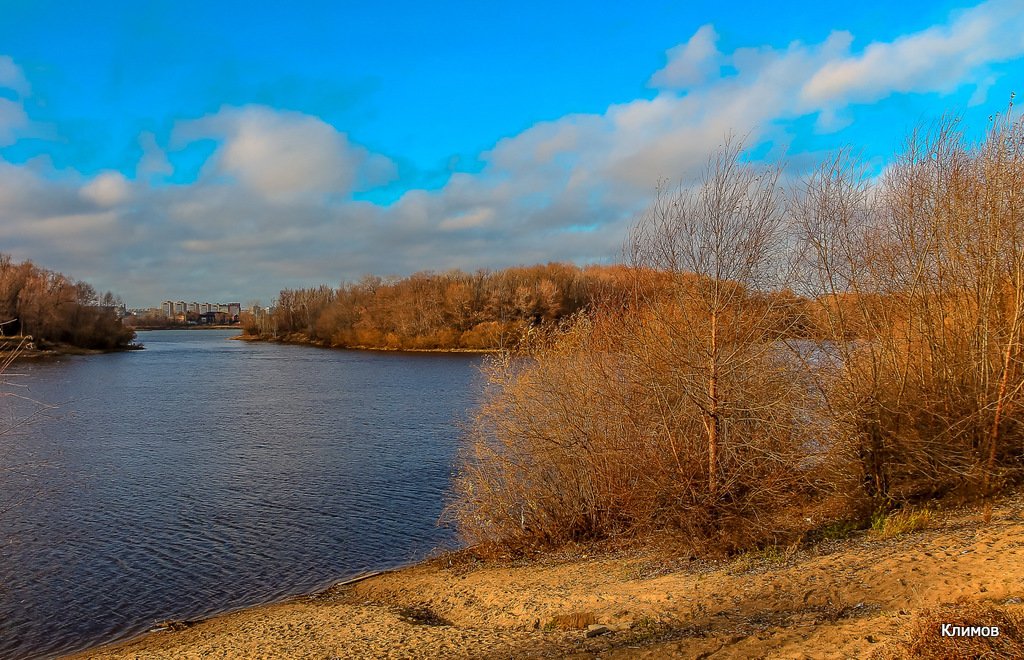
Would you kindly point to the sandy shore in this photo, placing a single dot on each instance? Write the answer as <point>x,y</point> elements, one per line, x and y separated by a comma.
<point>836,599</point>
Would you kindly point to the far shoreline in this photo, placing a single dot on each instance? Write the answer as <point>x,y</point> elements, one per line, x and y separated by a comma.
<point>189,327</point>
<point>379,349</point>
<point>59,351</point>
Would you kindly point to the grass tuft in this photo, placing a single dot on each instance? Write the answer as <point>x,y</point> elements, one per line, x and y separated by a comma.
<point>902,522</point>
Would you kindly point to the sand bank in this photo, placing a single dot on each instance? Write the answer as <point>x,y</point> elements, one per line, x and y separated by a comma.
<point>835,599</point>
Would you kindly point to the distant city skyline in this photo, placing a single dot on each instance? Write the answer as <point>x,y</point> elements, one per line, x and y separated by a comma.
<point>234,149</point>
<point>176,307</point>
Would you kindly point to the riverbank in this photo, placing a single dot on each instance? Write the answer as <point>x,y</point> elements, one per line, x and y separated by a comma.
<point>12,349</point>
<point>384,349</point>
<point>833,599</point>
<point>154,328</point>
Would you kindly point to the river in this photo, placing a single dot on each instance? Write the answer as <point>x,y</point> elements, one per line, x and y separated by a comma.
<point>203,475</point>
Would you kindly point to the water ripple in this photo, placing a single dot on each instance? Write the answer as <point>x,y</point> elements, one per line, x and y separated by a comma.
<point>203,475</point>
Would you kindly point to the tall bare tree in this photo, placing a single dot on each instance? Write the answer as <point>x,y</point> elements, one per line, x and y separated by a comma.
<point>719,244</point>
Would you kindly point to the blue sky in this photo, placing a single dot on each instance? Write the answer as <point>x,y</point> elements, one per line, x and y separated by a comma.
<point>199,150</point>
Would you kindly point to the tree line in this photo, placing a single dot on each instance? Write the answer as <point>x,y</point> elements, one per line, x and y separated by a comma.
<point>786,357</point>
<point>447,310</point>
<point>484,310</point>
<point>54,309</point>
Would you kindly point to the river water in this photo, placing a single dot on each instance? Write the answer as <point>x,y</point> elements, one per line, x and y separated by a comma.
<point>202,475</point>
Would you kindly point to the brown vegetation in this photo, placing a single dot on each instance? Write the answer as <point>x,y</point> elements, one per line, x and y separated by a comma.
<point>50,308</point>
<point>450,310</point>
<point>929,266</point>
<point>679,410</point>
<point>708,399</point>
<point>924,639</point>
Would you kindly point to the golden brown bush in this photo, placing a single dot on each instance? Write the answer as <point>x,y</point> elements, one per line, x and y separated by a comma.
<point>452,309</point>
<point>680,409</point>
<point>921,281</point>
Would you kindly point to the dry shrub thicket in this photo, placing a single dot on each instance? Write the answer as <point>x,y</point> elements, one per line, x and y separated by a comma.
<point>712,401</point>
<point>921,288</point>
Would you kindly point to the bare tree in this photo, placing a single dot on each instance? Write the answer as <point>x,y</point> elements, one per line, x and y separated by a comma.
<point>719,245</point>
<point>921,291</point>
<point>675,407</point>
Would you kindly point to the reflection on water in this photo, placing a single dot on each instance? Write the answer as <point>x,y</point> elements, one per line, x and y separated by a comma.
<point>202,475</point>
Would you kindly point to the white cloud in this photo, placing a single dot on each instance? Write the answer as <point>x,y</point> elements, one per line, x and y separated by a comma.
<point>76,226</point>
<point>936,59</point>
<point>469,220</point>
<point>154,159</point>
<point>285,156</point>
<point>691,63</point>
<point>12,112</point>
<point>560,190</point>
<point>107,189</point>
<point>12,118</point>
<point>12,77</point>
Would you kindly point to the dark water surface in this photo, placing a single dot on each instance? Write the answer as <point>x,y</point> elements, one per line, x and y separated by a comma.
<point>202,475</point>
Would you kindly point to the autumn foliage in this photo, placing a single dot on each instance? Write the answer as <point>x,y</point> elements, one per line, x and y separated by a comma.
<point>449,310</point>
<point>51,308</point>
<point>921,287</point>
<point>677,407</point>
<point>707,399</point>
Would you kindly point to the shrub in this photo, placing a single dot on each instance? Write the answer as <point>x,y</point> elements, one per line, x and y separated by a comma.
<point>920,285</point>
<point>589,434</point>
<point>679,409</point>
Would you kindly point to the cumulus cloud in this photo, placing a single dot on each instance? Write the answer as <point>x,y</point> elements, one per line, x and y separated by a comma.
<point>154,159</point>
<point>476,218</point>
<point>12,112</point>
<point>288,155</point>
<point>690,63</point>
<point>12,77</point>
<point>12,118</point>
<point>107,189</point>
<point>565,189</point>
<point>936,59</point>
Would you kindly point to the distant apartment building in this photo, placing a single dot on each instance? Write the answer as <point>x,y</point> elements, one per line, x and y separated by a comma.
<point>205,312</point>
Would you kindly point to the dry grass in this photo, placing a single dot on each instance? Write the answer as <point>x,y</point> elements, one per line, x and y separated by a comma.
<point>769,557</point>
<point>924,639</point>
<point>571,621</point>
<point>903,522</point>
